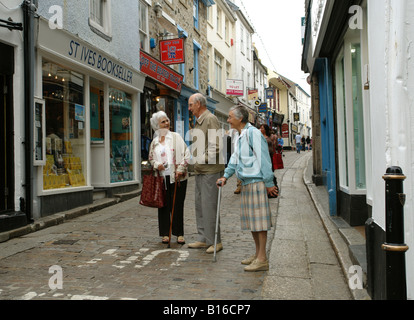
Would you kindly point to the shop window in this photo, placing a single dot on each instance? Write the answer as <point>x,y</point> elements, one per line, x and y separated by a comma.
<point>350,114</point>
<point>65,127</point>
<point>120,111</point>
<point>358,114</point>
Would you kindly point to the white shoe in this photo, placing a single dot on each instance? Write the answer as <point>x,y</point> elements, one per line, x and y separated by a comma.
<point>197,245</point>
<point>218,248</point>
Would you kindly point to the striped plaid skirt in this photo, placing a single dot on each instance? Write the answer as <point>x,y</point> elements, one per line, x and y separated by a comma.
<point>255,211</point>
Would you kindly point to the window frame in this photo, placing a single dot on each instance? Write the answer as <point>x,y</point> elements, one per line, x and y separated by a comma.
<point>347,153</point>
<point>103,29</point>
<point>196,64</point>
<point>218,71</point>
<point>144,5</point>
<point>196,6</point>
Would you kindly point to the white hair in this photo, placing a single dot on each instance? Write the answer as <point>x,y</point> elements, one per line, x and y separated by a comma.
<point>155,119</point>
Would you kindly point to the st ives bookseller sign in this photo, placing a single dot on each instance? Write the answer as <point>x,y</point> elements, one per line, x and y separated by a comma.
<point>99,61</point>
<point>55,43</point>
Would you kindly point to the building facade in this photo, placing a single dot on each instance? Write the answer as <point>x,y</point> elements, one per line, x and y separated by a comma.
<point>221,36</point>
<point>358,54</point>
<point>243,66</point>
<point>260,84</point>
<point>280,107</point>
<point>304,110</point>
<point>164,22</point>
<point>88,82</point>
<point>73,75</point>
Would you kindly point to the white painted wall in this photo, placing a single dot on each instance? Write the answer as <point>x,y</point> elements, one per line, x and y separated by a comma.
<point>124,44</point>
<point>243,60</point>
<point>391,36</point>
<point>217,40</point>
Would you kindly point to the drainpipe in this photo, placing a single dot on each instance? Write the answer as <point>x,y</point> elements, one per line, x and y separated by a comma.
<point>29,9</point>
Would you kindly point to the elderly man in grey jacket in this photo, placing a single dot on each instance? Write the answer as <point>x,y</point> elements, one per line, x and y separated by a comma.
<point>208,168</point>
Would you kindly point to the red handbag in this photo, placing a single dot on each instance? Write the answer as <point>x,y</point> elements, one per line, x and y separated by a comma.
<point>153,191</point>
<point>277,161</point>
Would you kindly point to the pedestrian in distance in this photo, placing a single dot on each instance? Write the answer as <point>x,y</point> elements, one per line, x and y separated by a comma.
<point>208,167</point>
<point>303,143</point>
<point>169,155</point>
<point>280,144</point>
<point>298,139</point>
<point>280,141</point>
<point>252,165</point>
<point>265,130</point>
<point>308,142</point>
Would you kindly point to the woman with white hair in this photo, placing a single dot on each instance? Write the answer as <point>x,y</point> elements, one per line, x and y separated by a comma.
<point>252,165</point>
<point>169,155</point>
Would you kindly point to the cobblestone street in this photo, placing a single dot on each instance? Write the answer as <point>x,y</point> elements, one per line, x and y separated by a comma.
<point>116,253</point>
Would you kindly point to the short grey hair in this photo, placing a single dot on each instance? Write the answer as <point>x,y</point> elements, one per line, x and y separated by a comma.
<point>241,113</point>
<point>155,119</point>
<point>198,97</point>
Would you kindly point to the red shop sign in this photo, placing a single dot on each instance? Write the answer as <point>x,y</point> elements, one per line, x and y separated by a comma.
<point>172,51</point>
<point>158,71</point>
<point>285,130</point>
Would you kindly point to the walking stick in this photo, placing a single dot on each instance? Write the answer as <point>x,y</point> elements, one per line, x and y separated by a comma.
<point>217,221</point>
<point>172,214</point>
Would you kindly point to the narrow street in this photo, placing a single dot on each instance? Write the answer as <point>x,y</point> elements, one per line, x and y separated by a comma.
<point>116,254</point>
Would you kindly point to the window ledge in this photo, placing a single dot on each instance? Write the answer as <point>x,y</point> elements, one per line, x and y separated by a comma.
<point>99,30</point>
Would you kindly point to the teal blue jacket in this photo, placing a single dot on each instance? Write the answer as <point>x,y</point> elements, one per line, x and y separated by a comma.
<point>251,160</point>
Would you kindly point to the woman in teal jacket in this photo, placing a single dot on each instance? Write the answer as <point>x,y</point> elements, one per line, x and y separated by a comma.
<point>252,165</point>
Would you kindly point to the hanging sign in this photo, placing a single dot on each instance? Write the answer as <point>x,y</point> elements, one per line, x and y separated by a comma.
<point>270,93</point>
<point>234,88</point>
<point>262,108</point>
<point>158,71</point>
<point>252,94</point>
<point>172,51</point>
<point>285,130</point>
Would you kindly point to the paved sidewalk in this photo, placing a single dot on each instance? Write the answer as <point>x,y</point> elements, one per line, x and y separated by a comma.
<point>303,263</point>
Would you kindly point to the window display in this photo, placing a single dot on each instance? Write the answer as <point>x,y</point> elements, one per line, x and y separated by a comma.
<point>120,111</point>
<point>65,127</point>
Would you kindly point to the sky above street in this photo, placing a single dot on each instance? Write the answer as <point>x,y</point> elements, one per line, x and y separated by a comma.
<point>278,35</point>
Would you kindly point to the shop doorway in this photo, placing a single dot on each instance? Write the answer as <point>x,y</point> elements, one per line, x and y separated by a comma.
<point>97,115</point>
<point>6,145</point>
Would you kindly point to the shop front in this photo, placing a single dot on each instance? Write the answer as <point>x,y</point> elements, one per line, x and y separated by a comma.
<point>161,91</point>
<point>90,103</point>
<point>11,215</point>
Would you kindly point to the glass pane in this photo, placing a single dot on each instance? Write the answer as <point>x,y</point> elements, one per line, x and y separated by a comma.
<point>96,12</point>
<point>120,112</point>
<point>65,127</point>
<point>342,123</point>
<point>97,110</point>
<point>143,17</point>
<point>359,144</point>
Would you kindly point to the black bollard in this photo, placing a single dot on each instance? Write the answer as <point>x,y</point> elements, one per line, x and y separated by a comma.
<point>395,248</point>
